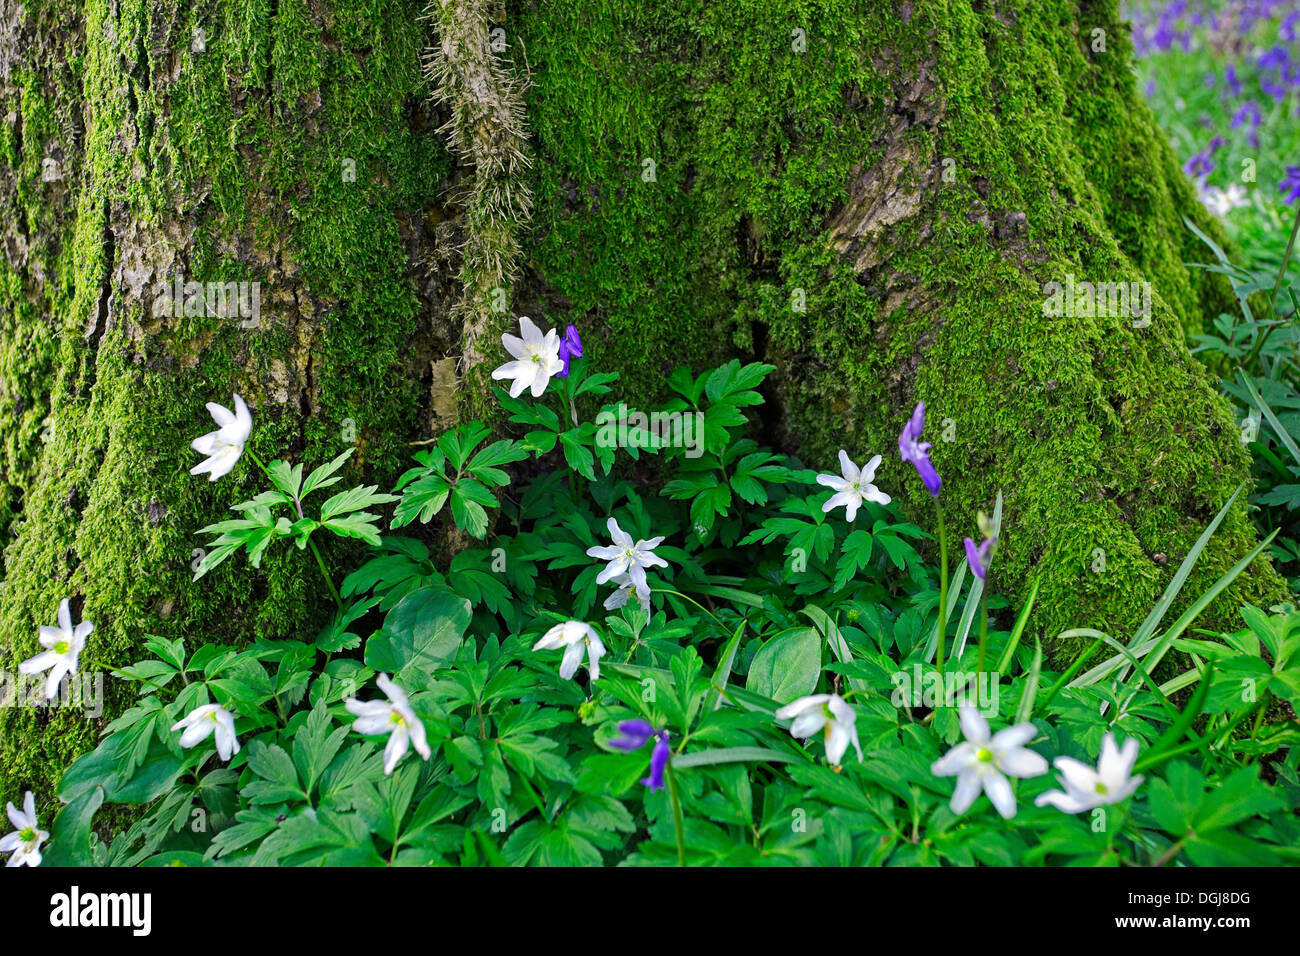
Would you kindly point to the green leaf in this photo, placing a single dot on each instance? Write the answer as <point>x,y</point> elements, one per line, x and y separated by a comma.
<point>70,836</point>
<point>725,755</point>
<point>787,666</point>
<point>723,671</point>
<point>322,477</point>
<point>279,775</point>
<point>287,478</point>
<point>354,499</point>
<point>423,630</point>
<point>422,499</point>
<point>315,746</point>
<point>1025,707</point>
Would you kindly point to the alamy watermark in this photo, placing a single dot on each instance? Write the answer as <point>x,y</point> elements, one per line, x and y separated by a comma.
<point>84,690</point>
<point>1129,300</point>
<point>914,688</point>
<point>221,299</point>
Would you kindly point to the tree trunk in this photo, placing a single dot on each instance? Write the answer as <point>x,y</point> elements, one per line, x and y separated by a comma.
<point>869,196</point>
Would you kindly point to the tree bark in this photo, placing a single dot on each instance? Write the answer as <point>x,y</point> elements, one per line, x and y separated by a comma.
<point>869,196</point>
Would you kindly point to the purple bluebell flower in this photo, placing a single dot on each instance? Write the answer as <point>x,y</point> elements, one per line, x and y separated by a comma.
<point>634,735</point>
<point>1291,181</point>
<point>1248,112</point>
<point>977,556</point>
<point>570,348</point>
<point>658,762</point>
<point>912,449</point>
<point>1288,30</point>
<point>1230,77</point>
<point>1202,164</point>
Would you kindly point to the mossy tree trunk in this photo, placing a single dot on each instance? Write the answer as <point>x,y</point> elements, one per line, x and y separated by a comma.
<point>869,196</point>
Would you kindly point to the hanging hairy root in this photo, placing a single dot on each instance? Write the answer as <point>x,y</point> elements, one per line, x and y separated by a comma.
<point>487,132</point>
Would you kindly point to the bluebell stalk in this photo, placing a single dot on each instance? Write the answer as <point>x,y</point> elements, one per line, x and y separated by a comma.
<point>635,735</point>
<point>913,450</point>
<point>979,557</point>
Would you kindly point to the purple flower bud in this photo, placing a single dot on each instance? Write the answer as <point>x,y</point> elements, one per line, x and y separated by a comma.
<point>658,762</point>
<point>1230,77</point>
<point>634,735</point>
<point>1291,182</point>
<point>570,348</point>
<point>912,449</point>
<point>1248,113</point>
<point>978,557</point>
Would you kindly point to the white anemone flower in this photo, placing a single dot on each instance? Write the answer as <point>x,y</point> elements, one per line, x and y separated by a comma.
<point>627,557</point>
<point>1223,201</point>
<point>202,722</point>
<point>983,762</point>
<point>536,358</point>
<point>225,445</point>
<point>63,645</point>
<point>25,842</point>
<point>393,717</point>
<point>576,638</point>
<point>830,713</point>
<point>854,488</point>
<point>1086,788</point>
<point>626,588</point>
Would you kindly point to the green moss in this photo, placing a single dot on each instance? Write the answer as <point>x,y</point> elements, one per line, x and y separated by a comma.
<point>248,145</point>
<point>1103,437</point>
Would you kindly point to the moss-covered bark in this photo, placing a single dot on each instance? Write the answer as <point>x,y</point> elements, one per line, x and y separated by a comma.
<point>799,153</point>
<point>763,178</point>
<point>218,142</point>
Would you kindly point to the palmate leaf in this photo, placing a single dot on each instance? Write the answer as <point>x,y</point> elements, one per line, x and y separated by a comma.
<point>286,477</point>
<point>459,444</point>
<point>354,499</point>
<point>253,534</point>
<point>483,465</point>
<point>468,501</point>
<point>422,500</point>
<point>324,476</point>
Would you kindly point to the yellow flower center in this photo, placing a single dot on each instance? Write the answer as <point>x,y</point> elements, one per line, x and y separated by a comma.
<point>1101,787</point>
<point>28,835</point>
<point>62,647</point>
<point>984,755</point>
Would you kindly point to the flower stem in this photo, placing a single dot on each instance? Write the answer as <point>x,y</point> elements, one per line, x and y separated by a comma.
<point>320,562</point>
<point>1286,260</point>
<point>943,589</point>
<point>324,573</point>
<point>693,601</point>
<point>984,624</point>
<point>678,825</point>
